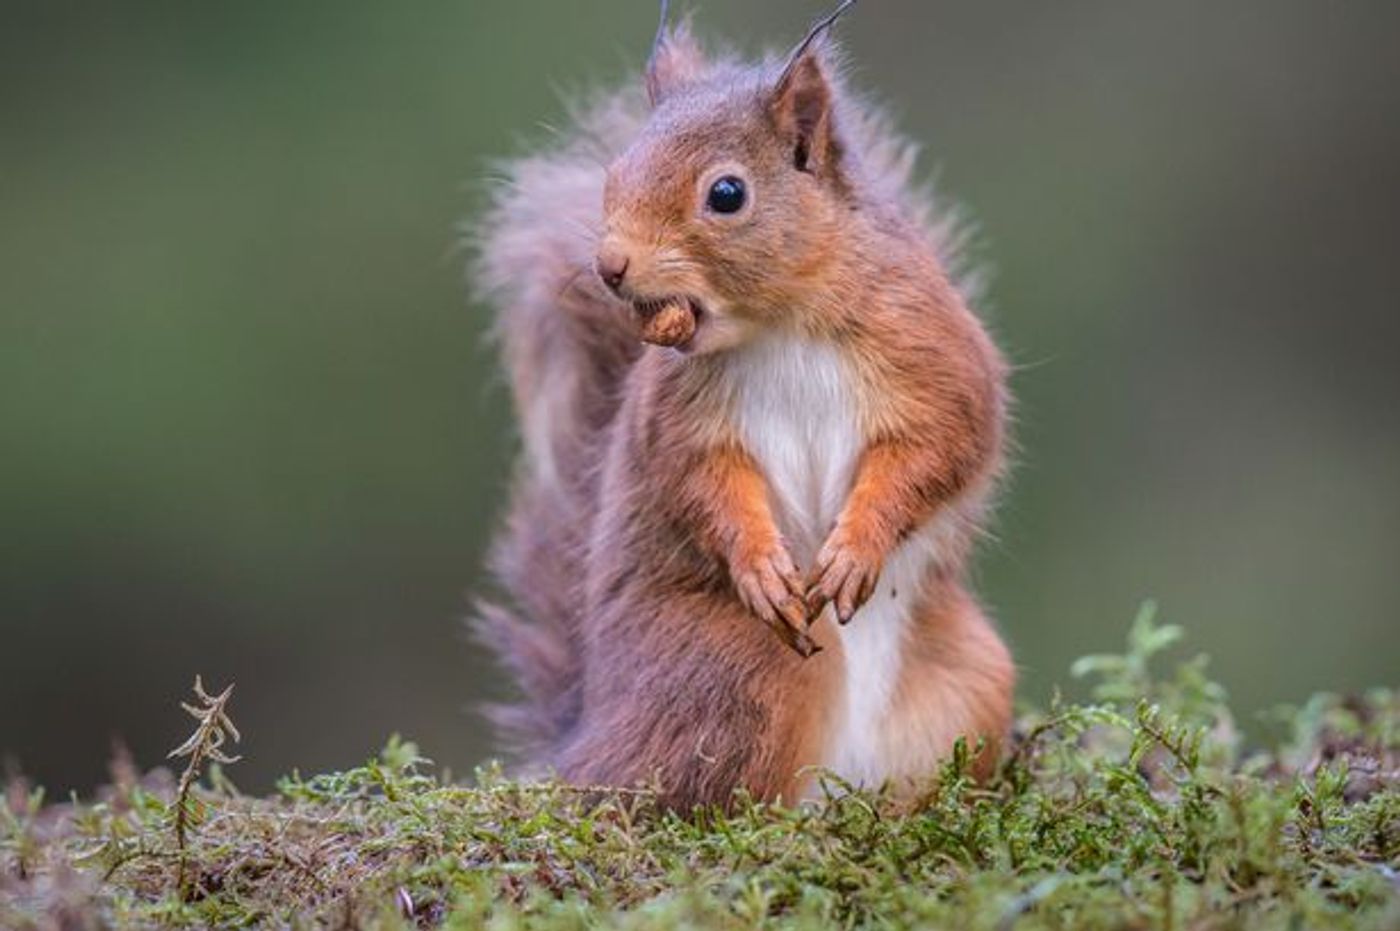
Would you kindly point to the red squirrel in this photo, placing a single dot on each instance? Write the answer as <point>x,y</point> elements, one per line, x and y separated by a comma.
<point>753,399</point>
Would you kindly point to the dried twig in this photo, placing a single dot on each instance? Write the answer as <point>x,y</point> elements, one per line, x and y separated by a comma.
<point>206,743</point>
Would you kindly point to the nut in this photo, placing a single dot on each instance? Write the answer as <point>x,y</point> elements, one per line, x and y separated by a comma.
<point>672,325</point>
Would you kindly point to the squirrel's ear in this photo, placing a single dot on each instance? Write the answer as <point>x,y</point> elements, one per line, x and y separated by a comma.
<point>801,106</point>
<point>803,98</point>
<point>676,59</point>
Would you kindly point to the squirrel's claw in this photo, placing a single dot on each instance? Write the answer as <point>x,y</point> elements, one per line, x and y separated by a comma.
<point>772,590</point>
<point>843,575</point>
<point>803,645</point>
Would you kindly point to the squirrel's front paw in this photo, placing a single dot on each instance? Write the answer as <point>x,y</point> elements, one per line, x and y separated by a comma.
<point>845,573</point>
<point>770,586</point>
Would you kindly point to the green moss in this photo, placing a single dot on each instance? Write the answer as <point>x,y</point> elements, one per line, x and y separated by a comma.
<point>1138,810</point>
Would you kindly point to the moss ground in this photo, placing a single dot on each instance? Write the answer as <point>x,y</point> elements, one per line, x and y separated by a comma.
<point>1137,809</point>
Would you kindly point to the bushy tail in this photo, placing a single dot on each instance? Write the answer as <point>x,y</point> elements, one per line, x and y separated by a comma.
<point>566,347</point>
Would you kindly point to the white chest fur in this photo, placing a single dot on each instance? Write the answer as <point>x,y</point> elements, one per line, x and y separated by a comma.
<point>795,407</point>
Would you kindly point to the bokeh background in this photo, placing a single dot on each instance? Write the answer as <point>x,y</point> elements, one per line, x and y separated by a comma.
<point>249,426</point>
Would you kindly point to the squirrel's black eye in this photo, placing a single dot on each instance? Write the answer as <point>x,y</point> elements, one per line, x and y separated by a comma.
<point>726,195</point>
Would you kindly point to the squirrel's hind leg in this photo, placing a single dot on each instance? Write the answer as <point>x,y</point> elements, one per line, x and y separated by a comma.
<point>719,705</point>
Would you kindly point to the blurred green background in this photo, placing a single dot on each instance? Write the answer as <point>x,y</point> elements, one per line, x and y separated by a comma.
<point>251,429</point>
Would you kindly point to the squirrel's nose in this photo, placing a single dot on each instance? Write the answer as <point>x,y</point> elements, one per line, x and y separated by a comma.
<point>612,267</point>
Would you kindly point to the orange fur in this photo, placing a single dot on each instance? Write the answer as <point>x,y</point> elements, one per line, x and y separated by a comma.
<point>830,433</point>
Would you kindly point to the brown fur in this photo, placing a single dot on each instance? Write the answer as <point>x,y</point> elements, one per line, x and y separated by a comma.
<point>643,550</point>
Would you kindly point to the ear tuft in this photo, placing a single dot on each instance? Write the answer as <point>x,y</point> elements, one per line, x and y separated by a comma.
<point>676,60</point>
<point>803,98</point>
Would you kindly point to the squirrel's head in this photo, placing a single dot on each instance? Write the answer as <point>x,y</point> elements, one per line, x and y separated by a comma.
<point>730,200</point>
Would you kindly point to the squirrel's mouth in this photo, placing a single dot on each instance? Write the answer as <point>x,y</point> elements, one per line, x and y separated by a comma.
<point>668,321</point>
